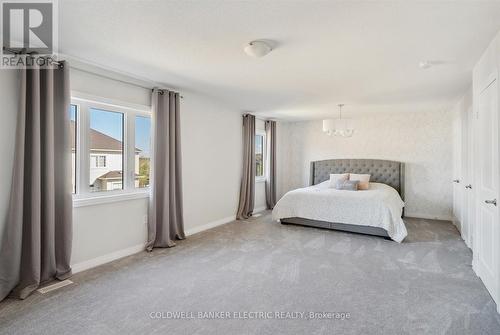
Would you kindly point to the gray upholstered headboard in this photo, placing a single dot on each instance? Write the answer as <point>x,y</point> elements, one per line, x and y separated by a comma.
<point>387,172</point>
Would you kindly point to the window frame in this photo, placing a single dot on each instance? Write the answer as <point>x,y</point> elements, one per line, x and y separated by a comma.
<point>261,179</point>
<point>76,135</point>
<point>83,195</point>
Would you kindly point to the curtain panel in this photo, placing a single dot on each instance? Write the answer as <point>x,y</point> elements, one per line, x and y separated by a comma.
<point>270,127</point>
<point>36,242</point>
<point>166,222</point>
<point>247,186</point>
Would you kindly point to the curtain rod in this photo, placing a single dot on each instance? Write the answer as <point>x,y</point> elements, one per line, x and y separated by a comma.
<point>23,51</point>
<point>258,118</point>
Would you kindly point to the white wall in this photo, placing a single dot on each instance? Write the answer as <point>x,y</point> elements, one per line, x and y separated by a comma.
<point>9,100</point>
<point>421,140</point>
<point>90,83</point>
<point>103,230</point>
<point>211,159</point>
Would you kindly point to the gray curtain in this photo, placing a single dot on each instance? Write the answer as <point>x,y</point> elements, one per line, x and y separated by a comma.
<point>270,127</point>
<point>166,222</point>
<point>247,187</point>
<point>36,245</point>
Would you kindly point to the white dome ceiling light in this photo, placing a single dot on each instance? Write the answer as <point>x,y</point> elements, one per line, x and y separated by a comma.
<point>425,64</point>
<point>257,49</point>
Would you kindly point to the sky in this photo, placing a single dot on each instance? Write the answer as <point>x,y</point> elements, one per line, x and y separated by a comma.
<point>111,124</point>
<point>258,144</point>
<point>143,134</point>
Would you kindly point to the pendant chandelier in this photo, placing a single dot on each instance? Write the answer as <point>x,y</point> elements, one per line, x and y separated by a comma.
<point>339,127</point>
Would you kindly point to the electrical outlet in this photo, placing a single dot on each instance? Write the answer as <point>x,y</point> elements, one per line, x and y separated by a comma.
<point>145,219</point>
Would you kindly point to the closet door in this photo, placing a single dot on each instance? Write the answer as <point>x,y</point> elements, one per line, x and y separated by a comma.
<point>487,249</point>
<point>457,171</point>
<point>466,183</point>
<point>470,188</point>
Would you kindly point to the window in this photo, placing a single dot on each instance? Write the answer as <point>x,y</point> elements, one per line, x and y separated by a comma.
<point>260,140</point>
<point>142,148</point>
<point>72,118</point>
<point>97,161</point>
<point>106,143</point>
<point>101,161</point>
<point>111,147</point>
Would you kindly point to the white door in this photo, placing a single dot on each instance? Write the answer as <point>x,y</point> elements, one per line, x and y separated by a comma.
<point>469,187</point>
<point>486,249</point>
<point>466,184</point>
<point>457,173</point>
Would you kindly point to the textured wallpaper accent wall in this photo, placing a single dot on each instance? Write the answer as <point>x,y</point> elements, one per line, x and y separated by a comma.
<point>421,140</point>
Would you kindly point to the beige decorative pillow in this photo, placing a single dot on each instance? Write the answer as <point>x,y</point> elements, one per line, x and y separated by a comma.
<point>364,180</point>
<point>335,177</point>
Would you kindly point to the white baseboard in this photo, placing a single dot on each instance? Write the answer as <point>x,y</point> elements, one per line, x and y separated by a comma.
<point>217,223</point>
<point>92,263</point>
<point>209,225</point>
<point>427,216</point>
<point>260,209</point>
<point>467,244</point>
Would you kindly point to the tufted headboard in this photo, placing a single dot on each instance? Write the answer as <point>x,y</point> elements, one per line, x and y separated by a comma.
<point>387,172</point>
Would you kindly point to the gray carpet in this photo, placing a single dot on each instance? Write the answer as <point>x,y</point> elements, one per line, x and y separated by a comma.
<point>423,286</point>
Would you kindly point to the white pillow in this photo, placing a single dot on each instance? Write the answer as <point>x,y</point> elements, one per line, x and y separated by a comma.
<point>364,180</point>
<point>336,177</point>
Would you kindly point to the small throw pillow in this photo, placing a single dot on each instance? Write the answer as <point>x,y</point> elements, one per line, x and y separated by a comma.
<point>347,185</point>
<point>364,180</point>
<point>335,177</point>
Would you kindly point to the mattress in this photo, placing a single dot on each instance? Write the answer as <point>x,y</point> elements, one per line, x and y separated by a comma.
<point>379,206</point>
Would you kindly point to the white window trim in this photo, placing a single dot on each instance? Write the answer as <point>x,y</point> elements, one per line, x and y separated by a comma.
<point>84,197</point>
<point>262,179</point>
<point>109,197</point>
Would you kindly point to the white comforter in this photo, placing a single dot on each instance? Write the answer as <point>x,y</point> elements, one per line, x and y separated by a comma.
<point>379,206</point>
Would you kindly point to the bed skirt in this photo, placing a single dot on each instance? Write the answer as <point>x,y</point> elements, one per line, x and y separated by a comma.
<point>367,230</point>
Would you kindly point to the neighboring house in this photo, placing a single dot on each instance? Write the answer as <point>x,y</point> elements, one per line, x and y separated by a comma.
<point>106,162</point>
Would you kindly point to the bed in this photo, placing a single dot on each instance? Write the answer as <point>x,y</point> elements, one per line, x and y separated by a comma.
<point>377,211</point>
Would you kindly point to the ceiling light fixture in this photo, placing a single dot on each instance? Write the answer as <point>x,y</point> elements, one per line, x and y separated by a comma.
<point>339,127</point>
<point>257,49</point>
<point>424,64</point>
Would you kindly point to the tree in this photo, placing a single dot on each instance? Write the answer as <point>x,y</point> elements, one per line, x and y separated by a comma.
<point>144,171</point>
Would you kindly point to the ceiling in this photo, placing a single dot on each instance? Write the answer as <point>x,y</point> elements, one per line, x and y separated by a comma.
<point>361,53</point>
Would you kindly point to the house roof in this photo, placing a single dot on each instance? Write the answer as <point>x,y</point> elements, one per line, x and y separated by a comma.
<point>99,141</point>
<point>115,174</point>
<point>111,175</point>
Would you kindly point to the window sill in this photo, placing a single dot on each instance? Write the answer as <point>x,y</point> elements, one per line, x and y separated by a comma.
<point>100,199</point>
